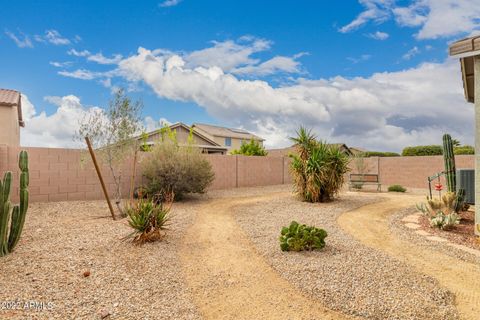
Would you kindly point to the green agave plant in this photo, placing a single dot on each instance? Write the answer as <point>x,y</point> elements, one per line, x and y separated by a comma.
<point>148,218</point>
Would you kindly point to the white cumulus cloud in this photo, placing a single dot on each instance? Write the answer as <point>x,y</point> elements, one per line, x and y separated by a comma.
<point>385,111</point>
<point>169,3</point>
<point>434,18</point>
<point>52,36</point>
<point>21,40</point>
<point>56,129</point>
<point>379,35</point>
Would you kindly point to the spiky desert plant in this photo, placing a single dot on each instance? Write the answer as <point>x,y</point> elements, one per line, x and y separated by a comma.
<point>304,142</point>
<point>449,161</point>
<point>9,237</point>
<point>318,169</point>
<point>149,218</point>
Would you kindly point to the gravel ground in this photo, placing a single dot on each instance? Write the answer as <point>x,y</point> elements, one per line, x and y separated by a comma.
<point>346,275</point>
<point>63,240</point>
<point>405,233</point>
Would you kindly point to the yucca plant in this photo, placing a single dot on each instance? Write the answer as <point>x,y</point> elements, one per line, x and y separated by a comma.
<point>149,218</point>
<point>318,169</point>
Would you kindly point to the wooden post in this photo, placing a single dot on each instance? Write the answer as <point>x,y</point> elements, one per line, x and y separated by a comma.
<point>134,169</point>
<point>92,154</point>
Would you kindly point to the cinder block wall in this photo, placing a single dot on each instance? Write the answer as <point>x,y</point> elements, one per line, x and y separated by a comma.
<point>411,172</point>
<point>59,174</point>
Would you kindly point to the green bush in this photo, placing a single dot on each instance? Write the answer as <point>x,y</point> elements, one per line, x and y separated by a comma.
<point>463,150</point>
<point>299,237</point>
<point>396,188</point>
<point>433,150</point>
<point>368,154</point>
<point>178,169</point>
<point>253,148</point>
<point>148,218</point>
<point>318,168</point>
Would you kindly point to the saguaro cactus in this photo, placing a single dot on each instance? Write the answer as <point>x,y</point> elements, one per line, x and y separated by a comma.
<point>16,216</point>
<point>449,161</point>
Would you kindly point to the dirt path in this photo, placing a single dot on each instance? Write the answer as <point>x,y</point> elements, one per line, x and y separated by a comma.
<point>369,224</point>
<point>228,277</point>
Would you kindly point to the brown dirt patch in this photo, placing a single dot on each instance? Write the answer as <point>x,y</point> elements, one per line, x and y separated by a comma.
<point>370,224</point>
<point>228,277</point>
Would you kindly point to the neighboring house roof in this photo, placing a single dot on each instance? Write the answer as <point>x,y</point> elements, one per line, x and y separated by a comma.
<point>226,132</point>
<point>356,150</point>
<point>292,149</point>
<point>180,124</point>
<point>12,98</point>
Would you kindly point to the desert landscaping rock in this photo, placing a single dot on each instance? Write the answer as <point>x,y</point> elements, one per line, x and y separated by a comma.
<point>413,218</point>
<point>345,276</point>
<point>411,225</point>
<point>422,233</point>
<point>419,237</point>
<point>220,259</point>
<point>71,255</point>
<point>371,226</point>
<point>435,238</point>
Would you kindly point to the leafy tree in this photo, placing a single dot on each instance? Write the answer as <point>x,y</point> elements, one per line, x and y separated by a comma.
<point>253,148</point>
<point>463,150</point>
<point>111,132</point>
<point>433,150</point>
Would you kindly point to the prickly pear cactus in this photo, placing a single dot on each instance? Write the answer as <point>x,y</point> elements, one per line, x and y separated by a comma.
<point>299,237</point>
<point>12,219</point>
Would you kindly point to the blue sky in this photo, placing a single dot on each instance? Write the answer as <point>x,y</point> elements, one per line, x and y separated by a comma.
<point>352,70</point>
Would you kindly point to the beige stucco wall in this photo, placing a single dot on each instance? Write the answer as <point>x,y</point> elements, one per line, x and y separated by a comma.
<point>9,127</point>
<point>477,141</point>
<point>182,137</point>
<point>236,142</point>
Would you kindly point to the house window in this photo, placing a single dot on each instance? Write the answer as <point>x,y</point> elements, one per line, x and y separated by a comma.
<point>228,142</point>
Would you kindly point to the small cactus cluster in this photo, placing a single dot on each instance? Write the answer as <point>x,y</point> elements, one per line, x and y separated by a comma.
<point>12,218</point>
<point>299,237</point>
<point>445,204</point>
<point>445,221</point>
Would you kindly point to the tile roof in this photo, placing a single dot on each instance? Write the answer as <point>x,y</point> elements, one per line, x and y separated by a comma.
<point>226,132</point>
<point>12,98</point>
<point>9,97</point>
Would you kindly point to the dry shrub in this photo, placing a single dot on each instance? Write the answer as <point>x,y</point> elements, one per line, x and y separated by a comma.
<point>178,169</point>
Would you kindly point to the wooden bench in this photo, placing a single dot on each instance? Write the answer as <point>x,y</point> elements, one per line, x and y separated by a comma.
<point>357,179</point>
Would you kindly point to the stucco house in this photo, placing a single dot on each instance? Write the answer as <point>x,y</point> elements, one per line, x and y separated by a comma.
<point>468,51</point>
<point>207,144</point>
<point>10,117</point>
<point>226,137</point>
